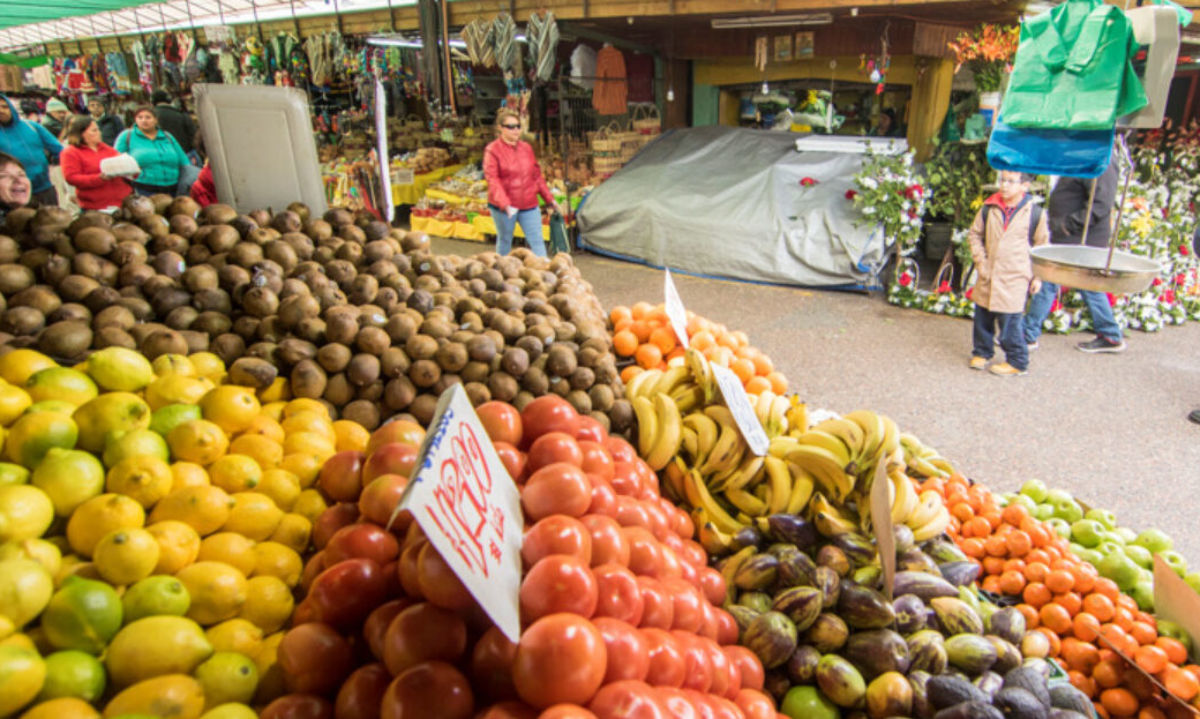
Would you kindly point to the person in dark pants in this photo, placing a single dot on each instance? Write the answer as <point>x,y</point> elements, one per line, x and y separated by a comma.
<point>175,121</point>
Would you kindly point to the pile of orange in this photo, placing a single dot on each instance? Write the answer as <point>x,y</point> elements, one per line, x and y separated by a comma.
<point>644,333</point>
<point>1081,613</point>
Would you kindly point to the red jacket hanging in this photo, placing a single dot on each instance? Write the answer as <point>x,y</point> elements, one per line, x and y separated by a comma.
<point>513,176</point>
<point>609,92</point>
<point>81,169</point>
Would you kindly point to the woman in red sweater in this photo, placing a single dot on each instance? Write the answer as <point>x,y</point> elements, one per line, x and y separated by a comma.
<point>514,183</point>
<point>80,162</point>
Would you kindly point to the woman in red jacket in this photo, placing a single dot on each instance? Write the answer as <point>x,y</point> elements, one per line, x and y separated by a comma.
<point>514,183</point>
<point>80,162</point>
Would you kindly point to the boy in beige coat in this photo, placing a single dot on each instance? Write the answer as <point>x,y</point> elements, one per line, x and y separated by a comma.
<point>1000,240</point>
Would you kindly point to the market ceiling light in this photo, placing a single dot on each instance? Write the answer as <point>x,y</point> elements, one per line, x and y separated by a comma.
<point>393,41</point>
<point>725,23</point>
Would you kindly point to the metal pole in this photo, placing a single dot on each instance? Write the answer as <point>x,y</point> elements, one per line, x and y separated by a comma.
<point>1112,242</point>
<point>191,20</point>
<point>446,56</point>
<point>295,20</point>
<point>391,17</point>
<point>1087,220</point>
<point>337,11</point>
<point>257,25</point>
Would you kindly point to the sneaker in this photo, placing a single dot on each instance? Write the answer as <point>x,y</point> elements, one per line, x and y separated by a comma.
<point>1032,345</point>
<point>1100,344</point>
<point>978,363</point>
<point>1194,416</point>
<point>1004,369</point>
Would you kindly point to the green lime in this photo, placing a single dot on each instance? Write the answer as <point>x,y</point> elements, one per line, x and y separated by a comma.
<point>22,672</point>
<point>13,474</point>
<point>25,590</point>
<point>69,477</point>
<point>134,443</point>
<point>227,677</point>
<point>33,435</point>
<point>153,596</point>
<point>62,384</point>
<point>51,405</point>
<point>808,703</point>
<point>168,418</point>
<point>73,674</point>
<point>83,614</point>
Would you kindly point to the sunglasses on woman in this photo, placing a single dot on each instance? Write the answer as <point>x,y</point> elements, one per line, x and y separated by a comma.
<point>511,127</point>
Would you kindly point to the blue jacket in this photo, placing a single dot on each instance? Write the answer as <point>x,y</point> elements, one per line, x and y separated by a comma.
<point>161,159</point>
<point>29,143</point>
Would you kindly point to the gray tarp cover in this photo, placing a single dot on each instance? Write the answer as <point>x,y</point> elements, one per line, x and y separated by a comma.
<point>728,202</point>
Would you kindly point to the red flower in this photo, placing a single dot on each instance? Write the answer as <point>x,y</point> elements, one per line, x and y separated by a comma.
<point>914,192</point>
<point>970,293</point>
<point>851,194</point>
<point>807,182</point>
<point>1164,211</point>
<point>906,279</point>
<point>944,287</point>
<point>1180,279</point>
<point>1183,250</point>
<point>1112,299</point>
<point>1167,297</point>
<point>1157,281</point>
<point>1055,306</point>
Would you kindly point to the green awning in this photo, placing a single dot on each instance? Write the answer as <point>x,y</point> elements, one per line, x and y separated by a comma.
<point>24,62</point>
<point>25,12</point>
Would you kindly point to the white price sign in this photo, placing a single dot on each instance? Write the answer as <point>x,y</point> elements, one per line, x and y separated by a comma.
<point>743,413</point>
<point>675,311</point>
<point>470,508</point>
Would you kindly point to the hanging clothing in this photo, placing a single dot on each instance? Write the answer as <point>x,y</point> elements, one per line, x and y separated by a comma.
<point>542,35</point>
<point>640,69</point>
<point>609,96</point>
<point>583,66</point>
<point>504,39</point>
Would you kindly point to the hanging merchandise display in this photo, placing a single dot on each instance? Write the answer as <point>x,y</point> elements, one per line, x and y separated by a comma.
<point>504,42</point>
<point>583,66</point>
<point>254,62</point>
<point>542,35</point>
<point>476,36</point>
<point>609,95</point>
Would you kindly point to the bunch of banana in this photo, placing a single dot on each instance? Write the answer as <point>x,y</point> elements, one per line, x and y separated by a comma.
<point>659,428</point>
<point>675,381</point>
<point>924,460</point>
<point>925,513</point>
<point>841,453</point>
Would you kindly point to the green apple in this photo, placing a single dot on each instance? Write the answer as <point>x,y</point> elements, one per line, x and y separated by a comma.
<point>1119,568</point>
<point>1025,501</point>
<point>1069,510</point>
<point>1115,536</point>
<point>1125,534</point>
<point>1061,527</point>
<point>1143,593</point>
<point>1035,489</point>
<point>1087,532</point>
<point>1170,629</point>
<point>1103,516</point>
<point>1193,581</point>
<point>1154,539</point>
<point>1108,547</point>
<point>1175,561</point>
<point>1091,556</point>
<point>1044,512</point>
<point>1141,555</point>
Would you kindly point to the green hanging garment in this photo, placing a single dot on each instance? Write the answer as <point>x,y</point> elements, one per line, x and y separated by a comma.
<point>1073,71</point>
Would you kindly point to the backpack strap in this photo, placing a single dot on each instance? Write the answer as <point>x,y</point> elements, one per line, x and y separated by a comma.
<point>1035,217</point>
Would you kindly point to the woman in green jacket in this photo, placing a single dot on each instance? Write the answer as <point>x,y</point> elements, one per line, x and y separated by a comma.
<point>157,154</point>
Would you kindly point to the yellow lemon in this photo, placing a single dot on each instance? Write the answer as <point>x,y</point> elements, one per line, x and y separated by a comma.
<point>62,708</point>
<point>52,405</point>
<point>276,559</point>
<point>305,465</point>
<point>117,369</point>
<point>227,677</point>
<point>12,473</point>
<point>187,474</point>
<point>32,435</point>
<point>178,545</point>
<point>17,366</point>
<point>73,674</point>
<point>25,590</point>
<point>172,389</point>
<point>281,486</point>
<point>25,512</point>
<point>274,410</point>
<point>310,504</point>
<point>41,551</point>
<point>271,682</point>
<point>253,515</point>
<point>269,603</point>
<point>13,401</point>
<point>217,589</point>
<point>231,710</point>
<point>177,696</point>
<point>309,422</point>
<point>231,548</point>
<point>350,436</point>
<point>84,614</point>
<point>266,426</point>
<point>153,646</point>
<point>109,414</point>
<point>235,635</point>
<point>208,365</point>
<point>61,384</point>
<point>305,404</point>
<point>125,556</point>
<point>235,473</point>
<point>318,445</point>
<point>73,565</point>
<point>277,391</point>
<point>294,532</point>
<point>135,443</point>
<point>69,477</point>
<point>173,364</point>
<point>22,673</point>
<point>165,419</point>
<point>263,450</point>
<point>159,595</point>
<point>144,478</point>
<point>230,407</point>
<point>100,515</point>
<point>198,441</point>
<point>14,640</point>
<point>205,508</point>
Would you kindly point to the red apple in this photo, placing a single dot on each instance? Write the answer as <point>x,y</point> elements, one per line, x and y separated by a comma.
<point>390,458</point>
<point>341,477</point>
<point>397,430</point>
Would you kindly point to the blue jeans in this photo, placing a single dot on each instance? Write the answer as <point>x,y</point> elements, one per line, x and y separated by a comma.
<point>1097,304</point>
<point>531,224</point>
<point>1012,341</point>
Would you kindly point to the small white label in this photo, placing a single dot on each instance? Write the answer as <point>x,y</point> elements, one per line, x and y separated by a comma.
<point>675,311</point>
<point>738,403</point>
<point>470,508</point>
<point>403,176</point>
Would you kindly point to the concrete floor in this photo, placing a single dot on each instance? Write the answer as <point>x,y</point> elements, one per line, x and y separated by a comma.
<point>1111,429</point>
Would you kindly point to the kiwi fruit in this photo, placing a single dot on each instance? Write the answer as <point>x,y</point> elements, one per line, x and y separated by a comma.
<point>39,297</point>
<point>252,372</point>
<point>112,337</point>
<point>308,379</point>
<point>334,357</point>
<point>399,393</point>
<point>363,369</point>
<point>372,340</point>
<point>67,340</point>
<point>363,412</point>
<point>15,277</point>
<point>212,323</point>
<point>260,302</point>
<point>228,346</point>
<point>341,325</point>
<point>503,386</point>
<point>338,390</point>
<point>20,321</point>
<point>421,347</point>
<point>424,372</point>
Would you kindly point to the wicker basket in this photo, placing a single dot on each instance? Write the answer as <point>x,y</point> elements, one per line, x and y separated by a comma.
<point>646,120</point>
<point>608,139</point>
<point>606,164</point>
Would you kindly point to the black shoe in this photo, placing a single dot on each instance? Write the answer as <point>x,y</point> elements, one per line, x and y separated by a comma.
<point>1100,344</point>
<point>1194,416</point>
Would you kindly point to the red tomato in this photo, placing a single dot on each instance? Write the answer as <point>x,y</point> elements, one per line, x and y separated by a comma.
<point>396,430</point>
<point>604,499</point>
<point>708,626</point>
<point>684,526</point>
<point>363,540</point>
<point>596,459</point>
<point>619,595</point>
<point>658,522</point>
<point>331,520</point>
<point>650,490</point>
<point>380,497</point>
<point>713,585</point>
<point>345,593</point>
<point>501,421</point>
<point>391,458</point>
<point>608,540</point>
<point>692,553</point>
<point>630,512</point>
<point>560,659</point>
<point>747,665</point>
<point>727,628</point>
<point>722,670</point>
<point>688,609</point>
<point>554,447</point>
<point>314,566</point>
<point>566,711</point>
<point>548,413</point>
<point>428,689</point>
<point>697,672</point>
<point>513,460</point>
<point>558,583</point>
<point>341,476</point>
<point>701,704</point>
<point>362,692</point>
<point>669,566</point>
<point>491,666</point>
<point>439,584</point>
<point>688,573</point>
<point>421,633</point>
<point>590,429</point>
<point>626,480</point>
<point>406,567</point>
<point>628,655</point>
<point>619,448</point>
<point>314,658</point>
<point>677,703</point>
<point>298,706</point>
<point>645,553</point>
<point>658,609</point>
<point>724,708</point>
<point>755,704</point>
<point>508,710</point>
<point>628,700</point>
<point>558,488</point>
<point>667,667</point>
<point>557,534</point>
<point>375,628</point>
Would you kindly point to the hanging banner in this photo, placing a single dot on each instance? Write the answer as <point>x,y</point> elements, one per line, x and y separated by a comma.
<point>381,143</point>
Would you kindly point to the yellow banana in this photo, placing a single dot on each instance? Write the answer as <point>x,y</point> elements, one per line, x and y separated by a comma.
<point>891,437</point>
<point>687,397</point>
<point>671,380</point>
<point>873,429</point>
<point>641,382</point>
<point>825,468</point>
<point>803,486</point>
<point>647,419</point>
<point>714,541</point>
<point>722,475</point>
<point>906,496</point>
<point>729,567</point>
<point>706,434</point>
<point>780,481</point>
<point>702,373</point>
<point>933,526</point>
<point>779,413</point>
<point>672,476</point>
<point>721,414</point>
<point>830,443</point>
<point>724,451</point>
<point>748,473</point>
<point>781,445</point>
<point>943,464</point>
<point>698,496</point>
<point>689,443</point>
<point>751,505</point>
<point>926,510</point>
<point>925,468</point>
<point>667,438</point>
<point>848,431</point>
<point>831,526</point>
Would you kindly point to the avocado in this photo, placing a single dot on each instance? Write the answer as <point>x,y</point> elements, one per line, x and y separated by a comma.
<point>1019,704</point>
<point>947,691</point>
<point>1065,696</point>
<point>1032,681</point>
<point>970,710</point>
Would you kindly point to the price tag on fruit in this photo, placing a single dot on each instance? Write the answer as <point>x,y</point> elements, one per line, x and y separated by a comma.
<point>470,508</point>
<point>743,413</point>
<point>675,311</point>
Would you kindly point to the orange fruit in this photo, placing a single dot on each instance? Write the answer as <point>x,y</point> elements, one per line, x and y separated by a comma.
<point>1019,543</point>
<point>630,372</point>
<point>1151,713</point>
<point>1055,617</point>
<point>1175,649</point>
<point>1099,606</point>
<point>962,512</point>
<point>1144,634</point>
<point>1150,658</point>
<point>1181,683</point>
<point>991,583</point>
<point>648,356</point>
<point>1031,615</point>
<point>1036,594</point>
<point>625,343</point>
<point>1107,674</point>
<point>1060,581</point>
<point>993,565</point>
<point>1119,702</point>
<point>762,364</point>
<point>1036,571</point>
<point>971,546</point>
<point>1108,588</point>
<point>779,383</point>
<point>664,339</point>
<point>976,527</point>
<point>1085,626</point>
<point>1069,601</point>
<point>1012,582</point>
<point>1082,682</point>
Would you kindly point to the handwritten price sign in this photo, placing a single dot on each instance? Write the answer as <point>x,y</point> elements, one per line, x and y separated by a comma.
<point>675,311</point>
<point>470,508</point>
<point>738,403</point>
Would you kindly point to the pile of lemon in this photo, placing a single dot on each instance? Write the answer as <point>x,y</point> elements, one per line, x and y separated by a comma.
<point>153,522</point>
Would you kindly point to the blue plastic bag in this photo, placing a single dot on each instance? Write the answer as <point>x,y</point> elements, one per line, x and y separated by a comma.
<point>1070,153</point>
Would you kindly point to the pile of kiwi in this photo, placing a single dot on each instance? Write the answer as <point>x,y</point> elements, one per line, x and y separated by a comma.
<point>348,309</point>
